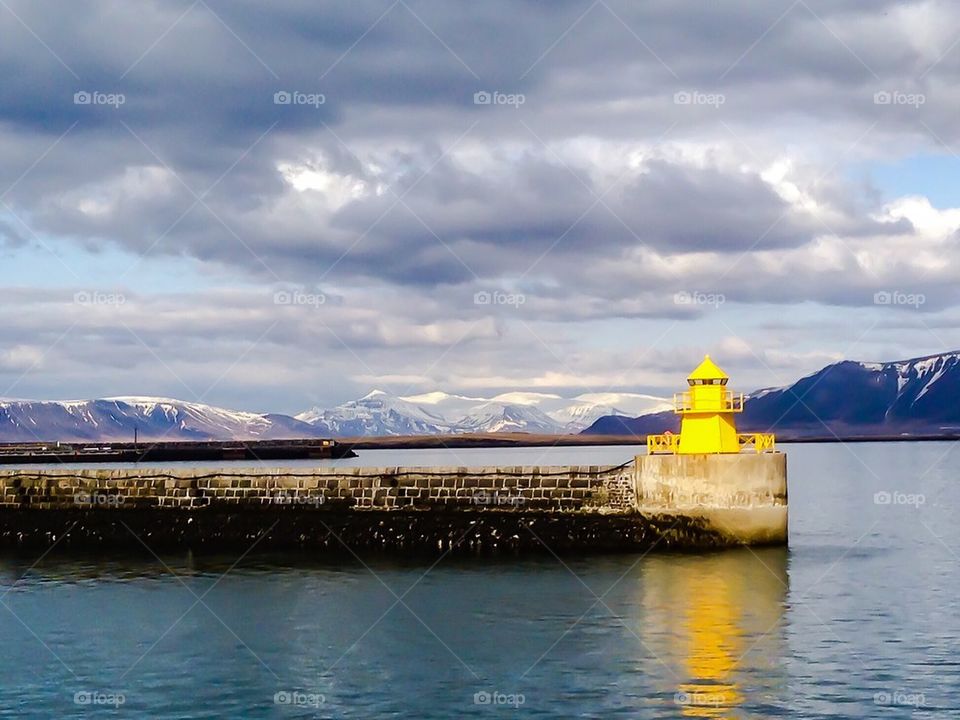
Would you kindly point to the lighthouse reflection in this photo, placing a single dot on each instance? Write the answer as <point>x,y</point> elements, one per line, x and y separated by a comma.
<point>726,631</point>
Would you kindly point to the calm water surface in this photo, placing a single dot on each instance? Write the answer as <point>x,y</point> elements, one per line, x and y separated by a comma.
<point>857,619</point>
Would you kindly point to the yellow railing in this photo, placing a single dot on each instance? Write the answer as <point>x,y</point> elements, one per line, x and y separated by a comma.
<point>663,444</point>
<point>761,442</point>
<point>670,443</point>
<point>729,401</point>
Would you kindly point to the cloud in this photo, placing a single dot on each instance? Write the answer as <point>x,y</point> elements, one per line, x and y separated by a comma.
<point>20,358</point>
<point>661,148</point>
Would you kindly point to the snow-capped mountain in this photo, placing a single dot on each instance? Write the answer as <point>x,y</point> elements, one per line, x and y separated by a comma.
<point>445,405</point>
<point>921,395</point>
<point>586,409</point>
<point>380,413</point>
<point>501,417</point>
<point>918,396</point>
<point>377,413</point>
<point>114,419</point>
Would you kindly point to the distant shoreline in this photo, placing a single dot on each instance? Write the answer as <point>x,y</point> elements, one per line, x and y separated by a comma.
<point>483,440</point>
<point>170,451</point>
<point>498,440</point>
<point>215,450</point>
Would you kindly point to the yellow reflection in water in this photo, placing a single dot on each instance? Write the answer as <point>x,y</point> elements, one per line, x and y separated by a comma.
<point>724,613</point>
<point>713,641</point>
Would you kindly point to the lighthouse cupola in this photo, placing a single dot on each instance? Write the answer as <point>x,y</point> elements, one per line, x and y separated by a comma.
<point>708,417</point>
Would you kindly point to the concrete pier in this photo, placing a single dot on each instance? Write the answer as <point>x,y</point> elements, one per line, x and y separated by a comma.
<point>740,496</point>
<point>653,502</point>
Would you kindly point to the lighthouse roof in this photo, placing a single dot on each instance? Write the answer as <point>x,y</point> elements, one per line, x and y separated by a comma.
<point>707,370</point>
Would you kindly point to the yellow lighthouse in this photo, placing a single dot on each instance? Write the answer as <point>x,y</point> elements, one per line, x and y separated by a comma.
<point>707,411</point>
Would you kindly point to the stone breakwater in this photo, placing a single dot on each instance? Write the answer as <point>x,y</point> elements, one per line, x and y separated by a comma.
<point>549,509</point>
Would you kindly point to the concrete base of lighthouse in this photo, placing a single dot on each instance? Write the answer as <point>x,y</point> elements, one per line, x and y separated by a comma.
<point>742,498</point>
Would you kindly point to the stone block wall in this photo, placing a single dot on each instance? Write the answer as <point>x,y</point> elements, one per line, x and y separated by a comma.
<point>504,489</point>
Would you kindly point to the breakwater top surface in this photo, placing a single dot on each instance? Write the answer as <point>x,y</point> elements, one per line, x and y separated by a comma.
<point>441,456</point>
<point>170,451</point>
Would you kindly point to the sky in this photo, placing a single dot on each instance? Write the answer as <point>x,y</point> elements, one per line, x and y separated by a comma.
<point>272,206</point>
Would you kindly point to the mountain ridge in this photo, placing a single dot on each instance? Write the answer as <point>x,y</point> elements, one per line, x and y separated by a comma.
<point>917,396</point>
<point>379,413</point>
<point>119,418</point>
